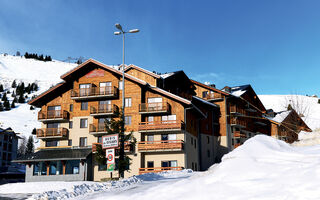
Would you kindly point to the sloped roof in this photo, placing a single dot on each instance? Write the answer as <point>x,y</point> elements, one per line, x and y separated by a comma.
<point>56,154</point>
<point>209,88</point>
<point>142,70</point>
<point>240,90</point>
<point>281,116</point>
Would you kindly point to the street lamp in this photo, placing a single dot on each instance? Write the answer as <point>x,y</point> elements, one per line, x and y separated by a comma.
<point>121,31</point>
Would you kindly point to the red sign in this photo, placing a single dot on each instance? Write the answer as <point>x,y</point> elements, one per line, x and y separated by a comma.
<point>95,73</point>
<point>110,156</point>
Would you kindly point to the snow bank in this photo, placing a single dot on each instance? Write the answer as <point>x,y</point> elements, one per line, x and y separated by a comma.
<point>308,139</point>
<point>262,168</point>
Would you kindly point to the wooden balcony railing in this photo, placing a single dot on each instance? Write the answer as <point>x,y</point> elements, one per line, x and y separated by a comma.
<point>214,95</point>
<point>97,128</point>
<point>161,125</point>
<point>160,145</point>
<point>238,134</point>
<point>154,107</point>
<point>234,121</point>
<point>103,109</point>
<point>52,132</point>
<point>236,110</point>
<point>95,92</point>
<point>236,145</point>
<point>158,169</point>
<point>128,147</point>
<point>53,115</point>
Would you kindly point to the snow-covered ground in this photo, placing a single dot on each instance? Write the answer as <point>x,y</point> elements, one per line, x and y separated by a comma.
<point>21,119</point>
<point>307,105</point>
<point>262,168</point>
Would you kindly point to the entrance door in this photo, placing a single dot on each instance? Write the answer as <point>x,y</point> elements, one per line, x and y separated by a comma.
<point>54,111</point>
<point>104,106</point>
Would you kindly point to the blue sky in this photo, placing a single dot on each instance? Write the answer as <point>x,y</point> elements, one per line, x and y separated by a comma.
<point>274,45</point>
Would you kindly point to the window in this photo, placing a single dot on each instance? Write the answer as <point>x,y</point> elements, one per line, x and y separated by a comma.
<point>84,89</point>
<point>83,123</point>
<point>53,143</point>
<point>208,153</point>
<point>72,166</point>
<point>127,120</point>
<point>150,164</point>
<point>9,157</point>
<point>171,163</point>
<point>70,124</point>
<point>99,139</point>
<point>150,138</point>
<point>155,103</point>
<point>53,125</point>
<point>195,143</point>
<point>192,141</point>
<point>168,118</point>
<point>102,167</point>
<point>120,85</point>
<point>36,168</point>
<point>69,142</point>
<point>164,137</point>
<point>208,140</point>
<point>127,102</point>
<point>83,142</point>
<point>43,168</point>
<point>105,88</point>
<point>84,105</point>
<point>71,108</point>
<point>204,94</point>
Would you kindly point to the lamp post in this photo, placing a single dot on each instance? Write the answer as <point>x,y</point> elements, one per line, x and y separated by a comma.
<point>121,31</point>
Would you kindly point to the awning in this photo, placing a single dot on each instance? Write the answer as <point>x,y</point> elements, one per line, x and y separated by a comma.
<point>56,154</point>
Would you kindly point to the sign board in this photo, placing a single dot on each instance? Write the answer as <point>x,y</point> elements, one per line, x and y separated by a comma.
<point>110,141</point>
<point>110,156</point>
<point>110,167</point>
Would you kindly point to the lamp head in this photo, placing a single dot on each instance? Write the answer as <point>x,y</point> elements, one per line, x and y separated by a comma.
<point>134,31</point>
<point>117,33</point>
<point>118,26</point>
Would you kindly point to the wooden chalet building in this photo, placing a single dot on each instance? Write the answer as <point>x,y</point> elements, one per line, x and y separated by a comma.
<point>286,125</point>
<point>174,129</point>
<point>242,115</point>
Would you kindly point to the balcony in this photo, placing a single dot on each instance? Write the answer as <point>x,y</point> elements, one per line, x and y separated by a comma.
<point>97,129</point>
<point>48,133</point>
<point>161,126</point>
<point>95,93</point>
<point>53,115</point>
<point>238,134</point>
<point>214,97</point>
<point>103,110</point>
<point>153,108</point>
<point>128,147</point>
<point>164,145</point>
<point>158,169</point>
<point>235,110</point>
<point>236,122</point>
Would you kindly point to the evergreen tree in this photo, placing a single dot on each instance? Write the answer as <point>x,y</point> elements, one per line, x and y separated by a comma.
<point>1,107</point>
<point>22,148</point>
<point>6,105</point>
<point>31,108</point>
<point>13,94</point>
<point>26,55</point>
<point>18,53</point>
<point>4,97</point>
<point>15,100</point>
<point>319,101</point>
<point>116,126</point>
<point>289,107</point>
<point>13,105</point>
<point>14,84</point>
<point>21,99</point>
<point>1,88</point>
<point>30,146</point>
<point>34,131</point>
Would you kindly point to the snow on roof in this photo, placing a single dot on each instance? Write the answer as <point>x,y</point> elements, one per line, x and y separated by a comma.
<point>281,116</point>
<point>206,102</point>
<point>166,75</point>
<point>239,90</point>
<point>238,93</point>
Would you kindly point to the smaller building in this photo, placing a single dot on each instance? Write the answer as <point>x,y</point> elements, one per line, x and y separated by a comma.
<point>286,125</point>
<point>8,146</point>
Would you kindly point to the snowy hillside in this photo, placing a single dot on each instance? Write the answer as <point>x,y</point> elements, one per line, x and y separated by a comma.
<point>309,106</point>
<point>21,119</point>
<point>262,168</point>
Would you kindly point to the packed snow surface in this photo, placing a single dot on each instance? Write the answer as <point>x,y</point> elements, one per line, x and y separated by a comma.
<point>306,105</point>
<point>262,168</point>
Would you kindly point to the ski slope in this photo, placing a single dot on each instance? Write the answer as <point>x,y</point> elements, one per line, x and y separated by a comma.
<point>21,119</point>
